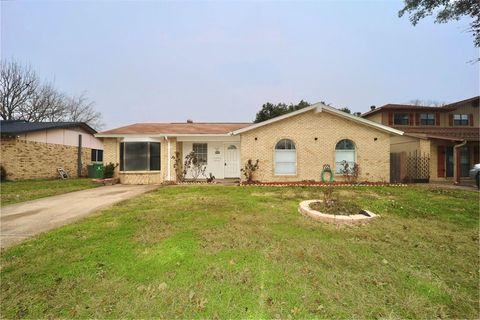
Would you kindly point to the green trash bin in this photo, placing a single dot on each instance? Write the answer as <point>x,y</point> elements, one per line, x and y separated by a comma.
<point>97,171</point>
<point>90,171</point>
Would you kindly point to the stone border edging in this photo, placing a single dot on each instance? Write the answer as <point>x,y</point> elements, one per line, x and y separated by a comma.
<point>321,185</point>
<point>304,209</point>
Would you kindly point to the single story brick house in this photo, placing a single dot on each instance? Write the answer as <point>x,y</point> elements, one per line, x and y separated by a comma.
<point>291,147</point>
<point>447,136</point>
<point>35,150</point>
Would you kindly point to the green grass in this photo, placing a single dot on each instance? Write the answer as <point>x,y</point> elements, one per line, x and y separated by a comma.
<point>25,190</point>
<point>245,252</point>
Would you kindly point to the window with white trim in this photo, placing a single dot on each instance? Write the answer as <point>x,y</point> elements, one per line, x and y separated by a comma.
<point>344,151</point>
<point>285,157</point>
<point>97,155</point>
<point>201,151</point>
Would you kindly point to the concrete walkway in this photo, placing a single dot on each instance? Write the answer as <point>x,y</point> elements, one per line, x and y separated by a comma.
<point>23,220</point>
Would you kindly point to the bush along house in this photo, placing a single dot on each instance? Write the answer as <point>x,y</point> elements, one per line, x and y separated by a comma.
<point>35,150</point>
<point>438,144</point>
<point>289,148</point>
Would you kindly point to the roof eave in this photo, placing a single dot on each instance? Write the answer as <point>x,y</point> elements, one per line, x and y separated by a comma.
<point>366,122</point>
<point>168,135</point>
<point>263,123</point>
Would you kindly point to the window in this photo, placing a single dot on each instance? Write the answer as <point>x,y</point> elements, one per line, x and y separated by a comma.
<point>344,151</point>
<point>232,147</point>
<point>460,119</point>
<point>401,119</point>
<point>97,155</point>
<point>285,157</point>
<point>201,151</point>
<point>139,156</point>
<point>427,119</point>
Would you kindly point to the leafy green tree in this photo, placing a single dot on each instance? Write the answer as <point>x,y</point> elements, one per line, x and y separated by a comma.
<point>444,11</point>
<point>270,110</point>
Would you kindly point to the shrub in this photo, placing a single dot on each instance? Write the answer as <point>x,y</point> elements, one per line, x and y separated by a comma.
<point>180,171</point>
<point>109,170</point>
<point>350,173</point>
<point>210,178</point>
<point>249,169</point>
<point>3,174</point>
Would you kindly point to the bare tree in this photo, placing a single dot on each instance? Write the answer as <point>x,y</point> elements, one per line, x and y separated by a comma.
<point>17,85</point>
<point>426,103</point>
<point>46,104</point>
<point>80,109</point>
<point>24,97</point>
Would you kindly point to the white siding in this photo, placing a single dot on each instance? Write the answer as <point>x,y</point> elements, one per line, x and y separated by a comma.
<point>68,137</point>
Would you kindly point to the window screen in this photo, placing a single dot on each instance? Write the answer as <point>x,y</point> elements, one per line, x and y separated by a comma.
<point>139,156</point>
<point>344,151</point>
<point>401,118</point>
<point>427,119</point>
<point>285,157</point>
<point>460,119</point>
<point>201,151</point>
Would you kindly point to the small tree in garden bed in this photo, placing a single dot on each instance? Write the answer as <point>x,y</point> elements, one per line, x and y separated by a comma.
<point>109,170</point>
<point>192,165</point>
<point>196,167</point>
<point>350,173</point>
<point>249,169</point>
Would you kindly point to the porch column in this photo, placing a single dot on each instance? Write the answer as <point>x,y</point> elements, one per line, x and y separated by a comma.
<point>457,163</point>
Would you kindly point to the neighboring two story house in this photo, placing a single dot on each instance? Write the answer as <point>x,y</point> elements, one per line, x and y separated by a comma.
<point>447,135</point>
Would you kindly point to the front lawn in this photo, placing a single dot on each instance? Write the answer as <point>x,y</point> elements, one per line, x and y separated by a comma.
<point>25,190</point>
<point>245,252</point>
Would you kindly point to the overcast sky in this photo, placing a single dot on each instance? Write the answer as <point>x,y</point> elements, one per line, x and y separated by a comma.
<point>219,61</point>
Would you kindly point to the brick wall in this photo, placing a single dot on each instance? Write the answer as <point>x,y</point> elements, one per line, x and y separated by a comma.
<point>372,156</point>
<point>24,159</point>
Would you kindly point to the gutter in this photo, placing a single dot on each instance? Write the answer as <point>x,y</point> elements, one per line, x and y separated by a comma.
<point>169,178</point>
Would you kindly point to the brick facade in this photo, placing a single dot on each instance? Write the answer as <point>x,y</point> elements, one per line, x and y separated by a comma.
<point>24,159</point>
<point>315,136</point>
<point>111,153</point>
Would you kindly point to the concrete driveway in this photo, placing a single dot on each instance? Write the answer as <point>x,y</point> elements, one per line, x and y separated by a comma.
<point>23,220</point>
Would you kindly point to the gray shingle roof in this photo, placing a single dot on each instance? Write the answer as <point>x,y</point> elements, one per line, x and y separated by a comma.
<point>22,126</point>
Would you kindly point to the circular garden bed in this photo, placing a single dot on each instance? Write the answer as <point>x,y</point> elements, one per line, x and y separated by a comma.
<point>338,213</point>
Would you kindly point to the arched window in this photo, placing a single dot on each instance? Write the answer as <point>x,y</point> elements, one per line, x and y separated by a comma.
<point>285,157</point>
<point>344,151</point>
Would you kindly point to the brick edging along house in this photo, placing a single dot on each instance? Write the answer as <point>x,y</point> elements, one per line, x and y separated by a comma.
<point>291,147</point>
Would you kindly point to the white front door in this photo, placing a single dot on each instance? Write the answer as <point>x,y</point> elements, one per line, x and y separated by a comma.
<point>232,161</point>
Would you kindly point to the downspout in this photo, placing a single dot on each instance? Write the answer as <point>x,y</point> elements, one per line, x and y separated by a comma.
<point>457,161</point>
<point>79,156</point>
<point>169,159</point>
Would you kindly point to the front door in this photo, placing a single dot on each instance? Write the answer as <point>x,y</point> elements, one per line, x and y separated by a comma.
<point>232,161</point>
<point>449,162</point>
<point>464,161</point>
